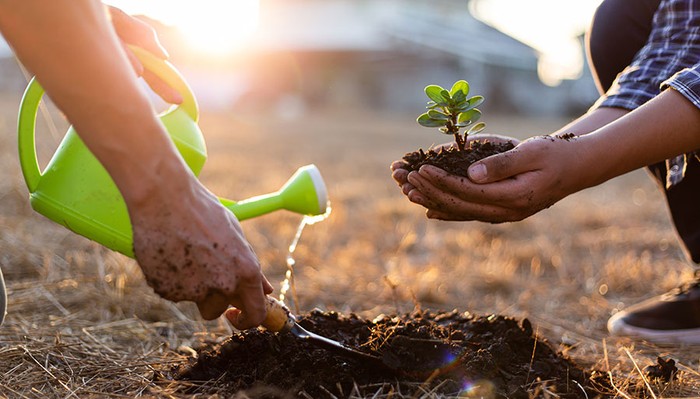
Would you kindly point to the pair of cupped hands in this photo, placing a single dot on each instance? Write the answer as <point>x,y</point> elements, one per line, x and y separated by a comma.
<point>505,187</point>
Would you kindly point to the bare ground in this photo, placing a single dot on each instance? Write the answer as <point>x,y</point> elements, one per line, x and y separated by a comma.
<point>82,323</point>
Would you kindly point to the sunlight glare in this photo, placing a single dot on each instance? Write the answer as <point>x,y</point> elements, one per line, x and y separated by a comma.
<point>216,27</point>
<point>480,389</point>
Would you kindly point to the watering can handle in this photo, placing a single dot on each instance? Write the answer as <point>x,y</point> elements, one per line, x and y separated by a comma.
<point>26,121</point>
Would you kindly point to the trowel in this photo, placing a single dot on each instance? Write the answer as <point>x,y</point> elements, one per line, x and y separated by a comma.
<point>280,319</point>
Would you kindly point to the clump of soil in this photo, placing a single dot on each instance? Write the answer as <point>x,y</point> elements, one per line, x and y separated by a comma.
<point>445,353</point>
<point>664,369</point>
<point>451,159</point>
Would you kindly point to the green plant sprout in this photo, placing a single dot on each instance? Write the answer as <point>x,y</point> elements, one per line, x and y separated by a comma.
<point>452,110</point>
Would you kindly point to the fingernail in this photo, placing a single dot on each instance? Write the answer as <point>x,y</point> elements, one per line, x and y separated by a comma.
<point>477,172</point>
<point>414,196</point>
<point>427,169</point>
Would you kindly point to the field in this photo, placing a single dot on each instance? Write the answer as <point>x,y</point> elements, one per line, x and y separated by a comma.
<point>83,323</point>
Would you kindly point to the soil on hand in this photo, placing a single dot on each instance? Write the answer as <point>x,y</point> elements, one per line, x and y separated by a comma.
<point>451,159</point>
<point>447,354</point>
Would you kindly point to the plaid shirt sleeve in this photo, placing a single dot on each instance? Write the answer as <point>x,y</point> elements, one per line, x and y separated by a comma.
<point>673,46</point>
<point>670,58</point>
<point>687,82</point>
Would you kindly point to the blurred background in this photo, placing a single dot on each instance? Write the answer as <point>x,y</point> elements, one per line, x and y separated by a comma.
<point>292,56</point>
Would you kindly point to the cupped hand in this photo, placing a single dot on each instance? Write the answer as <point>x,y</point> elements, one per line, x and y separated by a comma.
<point>504,187</point>
<point>133,31</point>
<point>192,248</point>
<point>400,175</point>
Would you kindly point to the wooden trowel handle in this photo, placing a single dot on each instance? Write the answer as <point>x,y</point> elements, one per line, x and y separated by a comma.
<point>279,318</point>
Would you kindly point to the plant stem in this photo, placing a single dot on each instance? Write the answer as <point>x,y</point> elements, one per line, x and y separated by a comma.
<point>459,141</point>
<point>452,128</point>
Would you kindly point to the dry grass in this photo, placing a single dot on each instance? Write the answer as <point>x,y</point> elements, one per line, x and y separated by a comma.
<point>82,323</point>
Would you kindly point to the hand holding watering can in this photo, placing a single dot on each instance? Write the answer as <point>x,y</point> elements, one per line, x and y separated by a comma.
<point>179,230</point>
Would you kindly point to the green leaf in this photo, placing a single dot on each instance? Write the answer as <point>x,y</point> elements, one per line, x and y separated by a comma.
<point>434,92</point>
<point>469,117</point>
<point>426,121</point>
<point>446,95</point>
<point>462,107</point>
<point>431,104</point>
<point>459,97</point>
<point>472,103</point>
<point>437,115</point>
<point>460,85</point>
<point>476,128</point>
<point>476,101</point>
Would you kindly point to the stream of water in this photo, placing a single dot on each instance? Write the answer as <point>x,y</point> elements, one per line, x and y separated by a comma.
<point>288,282</point>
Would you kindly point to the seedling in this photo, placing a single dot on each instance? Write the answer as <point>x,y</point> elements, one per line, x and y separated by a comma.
<point>451,111</point>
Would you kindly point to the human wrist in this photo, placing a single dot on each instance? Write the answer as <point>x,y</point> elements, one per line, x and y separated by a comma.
<point>161,177</point>
<point>596,160</point>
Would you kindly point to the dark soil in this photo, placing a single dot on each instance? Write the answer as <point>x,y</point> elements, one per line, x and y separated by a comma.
<point>448,354</point>
<point>664,370</point>
<point>451,159</point>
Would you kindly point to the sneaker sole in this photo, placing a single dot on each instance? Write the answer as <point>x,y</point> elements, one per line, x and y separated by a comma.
<point>617,326</point>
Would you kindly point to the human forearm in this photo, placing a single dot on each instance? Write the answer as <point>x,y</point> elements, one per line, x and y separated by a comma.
<point>592,120</point>
<point>83,68</point>
<point>666,126</point>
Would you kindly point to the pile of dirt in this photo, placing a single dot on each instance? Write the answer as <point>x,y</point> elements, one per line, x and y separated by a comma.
<point>444,353</point>
<point>453,160</point>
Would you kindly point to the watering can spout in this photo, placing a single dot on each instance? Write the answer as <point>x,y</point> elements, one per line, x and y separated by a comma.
<point>304,193</point>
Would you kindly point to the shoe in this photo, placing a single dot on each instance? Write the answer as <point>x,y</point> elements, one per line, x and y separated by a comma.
<point>673,317</point>
<point>3,299</point>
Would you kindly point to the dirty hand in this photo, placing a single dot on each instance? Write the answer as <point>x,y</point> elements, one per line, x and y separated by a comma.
<point>133,31</point>
<point>400,175</point>
<point>192,248</point>
<point>505,187</point>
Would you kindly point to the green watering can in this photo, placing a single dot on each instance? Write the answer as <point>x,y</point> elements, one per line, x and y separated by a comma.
<point>76,191</point>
